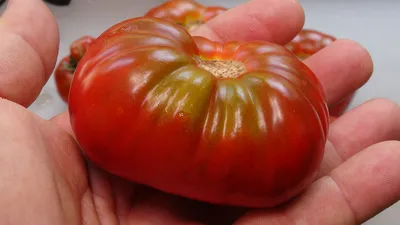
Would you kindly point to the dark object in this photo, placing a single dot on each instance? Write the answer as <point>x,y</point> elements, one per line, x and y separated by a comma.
<point>57,2</point>
<point>54,2</point>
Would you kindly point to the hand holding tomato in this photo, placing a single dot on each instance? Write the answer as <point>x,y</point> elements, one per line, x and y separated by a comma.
<point>235,123</point>
<point>43,170</point>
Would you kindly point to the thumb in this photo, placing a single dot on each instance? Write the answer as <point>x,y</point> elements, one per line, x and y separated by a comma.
<point>28,50</point>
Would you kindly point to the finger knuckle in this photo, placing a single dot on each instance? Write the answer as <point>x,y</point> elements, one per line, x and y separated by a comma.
<point>365,62</point>
<point>386,106</point>
<point>390,147</point>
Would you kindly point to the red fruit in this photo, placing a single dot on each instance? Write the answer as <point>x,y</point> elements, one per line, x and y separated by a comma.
<point>236,123</point>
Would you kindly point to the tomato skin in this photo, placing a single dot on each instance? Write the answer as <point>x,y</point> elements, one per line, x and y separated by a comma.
<point>79,47</point>
<point>66,67</point>
<point>142,108</point>
<point>187,13</point>
<point>63,75</point>
<point>308,42</point>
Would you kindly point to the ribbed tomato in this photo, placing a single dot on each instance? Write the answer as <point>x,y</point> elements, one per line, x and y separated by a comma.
<point>188,13</point>
<point>65,69</point>
<point>308,42</point>
<point>236,123</point>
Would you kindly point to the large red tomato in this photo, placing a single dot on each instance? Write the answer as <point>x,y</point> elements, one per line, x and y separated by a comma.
<point>65,69</point>
<point>237,123</point>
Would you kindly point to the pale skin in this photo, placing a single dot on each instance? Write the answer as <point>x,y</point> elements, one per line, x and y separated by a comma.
<point>44,179</point>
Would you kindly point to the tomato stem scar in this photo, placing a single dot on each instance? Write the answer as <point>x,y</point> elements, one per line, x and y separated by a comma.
<point>221,68</point>
<point>193,25</point>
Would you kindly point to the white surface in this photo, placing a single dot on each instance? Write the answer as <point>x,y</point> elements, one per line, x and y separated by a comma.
<point>374,24</point>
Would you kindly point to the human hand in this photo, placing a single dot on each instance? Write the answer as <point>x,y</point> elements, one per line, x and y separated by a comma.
<point>43,172</point>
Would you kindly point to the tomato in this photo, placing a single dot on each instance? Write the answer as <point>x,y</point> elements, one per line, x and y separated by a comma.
<point>78,47</point>
<point>63,77</point>
<point>188,13</point>
<point>309,42</point>
<point>66,67</point>
<point>237,123</point>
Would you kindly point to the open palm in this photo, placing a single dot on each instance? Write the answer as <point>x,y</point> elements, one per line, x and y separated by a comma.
<point>45,180</point>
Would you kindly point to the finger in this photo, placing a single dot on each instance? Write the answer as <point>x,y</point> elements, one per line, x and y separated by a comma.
<point>40,170</point>
<point>357,190</point>
<point>342,68</point>
<point>338,109</point>
<point>275,21</point>
<point>156,207</point>
<point>62,120</point>
<point>29,37</point>
<point>375,121</point>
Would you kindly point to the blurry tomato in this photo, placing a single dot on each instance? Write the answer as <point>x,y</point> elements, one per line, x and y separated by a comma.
<point>188,13</point>
<point>63,77</point>
<point>236,123</point>
<point>78,48</point>
<point>308,42</point>
<point>66,67</point>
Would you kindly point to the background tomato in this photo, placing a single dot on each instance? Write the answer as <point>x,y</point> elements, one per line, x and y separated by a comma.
<point>236,124</point>
<point>66,67</point>
<point>63,77</point>
<point>308,42</point>
<point>79,47</point>
<point>190,14</point>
